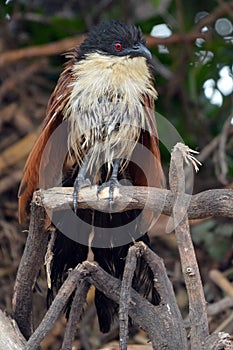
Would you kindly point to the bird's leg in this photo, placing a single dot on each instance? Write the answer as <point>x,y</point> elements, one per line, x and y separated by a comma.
<point>80,182</point>
<point>113,181</point>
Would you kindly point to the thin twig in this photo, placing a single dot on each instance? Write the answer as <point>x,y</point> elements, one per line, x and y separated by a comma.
<point>84,326</point>
<point>197,303</point>
<point>75,314</point>
<point>56,308</point>
<point>130,266</point>
<point>219,306</point>
<point>49,257</point>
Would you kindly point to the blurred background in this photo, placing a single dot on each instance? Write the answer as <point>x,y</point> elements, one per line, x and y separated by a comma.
<point>192,47</point>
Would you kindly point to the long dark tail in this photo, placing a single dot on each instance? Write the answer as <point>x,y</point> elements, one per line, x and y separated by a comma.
<point>112,260</point>
<point>68,252</point>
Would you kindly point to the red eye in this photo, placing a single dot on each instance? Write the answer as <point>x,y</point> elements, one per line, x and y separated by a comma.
<point>118,46</point>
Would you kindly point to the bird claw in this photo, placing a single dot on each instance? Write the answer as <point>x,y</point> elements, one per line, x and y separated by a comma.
<point>112,184</point>
<point>78,184</point>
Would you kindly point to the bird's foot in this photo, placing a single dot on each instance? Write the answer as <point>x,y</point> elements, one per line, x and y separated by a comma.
<point>79,183</point>
<point>112,184</point>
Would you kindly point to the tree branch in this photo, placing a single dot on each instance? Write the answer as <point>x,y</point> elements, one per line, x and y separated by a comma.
<point>208,203</point>
<point>125,296</point>
<point>197,303</point>
<point>30,264</point>
<point>159,322</point>
<point>74,280</point>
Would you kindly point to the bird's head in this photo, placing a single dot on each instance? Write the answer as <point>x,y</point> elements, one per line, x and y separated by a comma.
<point>115,39</point>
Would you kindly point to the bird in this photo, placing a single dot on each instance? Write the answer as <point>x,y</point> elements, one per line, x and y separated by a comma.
<point>99,129</point>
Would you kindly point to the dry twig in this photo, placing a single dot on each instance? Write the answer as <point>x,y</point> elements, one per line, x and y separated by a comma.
<point>125,297</point>
<point>197,303</point>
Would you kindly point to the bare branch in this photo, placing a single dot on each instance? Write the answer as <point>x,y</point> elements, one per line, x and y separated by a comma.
<point>75,315</point>
<point>30,264</point>
<point>208,203</point>
<point>130,266</point>
<point>159,322</point>
<point>75,279</point>
<point>197,303</point>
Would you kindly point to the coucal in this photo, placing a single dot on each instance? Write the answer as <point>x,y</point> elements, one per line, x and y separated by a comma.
<point>99,129</point>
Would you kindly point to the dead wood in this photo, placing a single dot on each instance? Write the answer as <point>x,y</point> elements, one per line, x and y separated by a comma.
<point>218,202</point>
<point>10,336</point>
<point>73,281</point>
<point>158,321</point>
<point>75,315</point>
<point>197,303</point>
<point>30,264</point>
<point>162,323</point>
<point>125,296</point>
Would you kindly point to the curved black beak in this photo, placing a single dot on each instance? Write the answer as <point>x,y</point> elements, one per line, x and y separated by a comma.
<point>139,50</point>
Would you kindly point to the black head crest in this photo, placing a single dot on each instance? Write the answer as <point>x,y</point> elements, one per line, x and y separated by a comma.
<point>113,38</point>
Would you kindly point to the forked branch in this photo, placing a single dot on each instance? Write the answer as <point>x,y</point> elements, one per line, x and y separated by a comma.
<point>162,323</point>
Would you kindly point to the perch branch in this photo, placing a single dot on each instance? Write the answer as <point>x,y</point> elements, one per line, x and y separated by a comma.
<point>208,203</point>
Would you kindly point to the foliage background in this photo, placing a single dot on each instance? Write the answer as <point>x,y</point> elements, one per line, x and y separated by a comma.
<point>28,78</point>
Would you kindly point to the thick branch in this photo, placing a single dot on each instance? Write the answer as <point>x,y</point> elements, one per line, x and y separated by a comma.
<point>30,264</point>
<point>160,323</point>
<point>157,321</point>
<point>208,203</point>
<point>165,289</point>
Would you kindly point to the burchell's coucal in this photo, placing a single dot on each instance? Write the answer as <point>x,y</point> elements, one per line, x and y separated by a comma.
<point>99,128</point>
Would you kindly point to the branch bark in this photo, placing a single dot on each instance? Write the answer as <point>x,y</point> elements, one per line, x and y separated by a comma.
<point>75,315</point>
<point>30,264</point>
<point>125,296</point>
<point>197,303</point>
<point>73,281</point>
<point>162,323</point>
<point>10,336</point>
<point>159,322</point>
<point>208,203</point>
